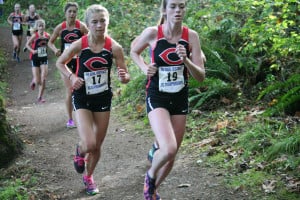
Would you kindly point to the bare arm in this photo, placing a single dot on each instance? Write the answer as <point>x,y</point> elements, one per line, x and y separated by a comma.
<point>118,53</point>
<point>83,28</point>
<point>29,43</point>
<point>9,19</point>
<point>65,57</point>
<point>147,38</point>
<point>52,39</point>
<point>195,64</point>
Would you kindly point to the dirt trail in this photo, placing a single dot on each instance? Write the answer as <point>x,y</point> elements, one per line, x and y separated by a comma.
<point>50,147</point>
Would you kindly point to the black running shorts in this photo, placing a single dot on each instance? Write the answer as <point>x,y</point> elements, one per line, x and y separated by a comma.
<point>176,105</point>
<point>94,104</point>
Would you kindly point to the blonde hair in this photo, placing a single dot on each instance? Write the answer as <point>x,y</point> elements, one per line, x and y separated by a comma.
<point>36,24</point>
<point>95,8</point>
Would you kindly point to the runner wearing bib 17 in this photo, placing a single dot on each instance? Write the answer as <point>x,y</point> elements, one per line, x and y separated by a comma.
<point>92,89</point>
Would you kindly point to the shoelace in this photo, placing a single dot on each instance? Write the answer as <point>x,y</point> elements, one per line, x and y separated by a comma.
<point>80,160</point>
<point>89,181</point>
<point>151,187</point>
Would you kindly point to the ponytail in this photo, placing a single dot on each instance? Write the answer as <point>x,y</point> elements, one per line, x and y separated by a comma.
<point>161,20</point>
<point>163,17</point>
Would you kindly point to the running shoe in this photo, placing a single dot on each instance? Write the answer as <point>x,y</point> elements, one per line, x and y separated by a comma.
<point>150,189</point>
<point>79,161</point>
<point>41,100</point>
<point>151,152</point>
<point>24,49</point>
<point>70,124</point>
<point>32,85</point>
<point>90,185</point>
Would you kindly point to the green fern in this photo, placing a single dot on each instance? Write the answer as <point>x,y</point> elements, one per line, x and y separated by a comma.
<point>216,66</point>
<point>286,93</point>
<point>289,145</point>
<point>214,89</point>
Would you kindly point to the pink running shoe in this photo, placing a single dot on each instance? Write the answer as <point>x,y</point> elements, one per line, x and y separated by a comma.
<point>41,100</point>
<point>70,124</point>
<point>150,189</point>
<point>79,161</point>
<point>32,85</point>
<point>90,186</point>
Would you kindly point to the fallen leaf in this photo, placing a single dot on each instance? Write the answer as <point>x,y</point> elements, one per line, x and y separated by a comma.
<point>225,100</point>
<point>209,141</point>
<point>221,125</point>
<point>139,108</point>
<point>269,186</point>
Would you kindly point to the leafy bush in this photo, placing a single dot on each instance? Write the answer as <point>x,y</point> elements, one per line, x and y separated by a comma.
<point>290,144</point>
<point>208,90</point>
<point>284,96</point>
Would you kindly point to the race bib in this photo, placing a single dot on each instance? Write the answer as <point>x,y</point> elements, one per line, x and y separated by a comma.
<point>16,26</point>
<point>96,81</point>
<point>67,45</point>
<point>31,24</point>
<point>42,51</point>
<point>171,79</point>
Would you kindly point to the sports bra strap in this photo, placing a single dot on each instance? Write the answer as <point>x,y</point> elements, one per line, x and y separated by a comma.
<point>108,43</point>
<point>77,24</point>
<point>184,35</point>
<point>85,43</point>
<point>160,33</point>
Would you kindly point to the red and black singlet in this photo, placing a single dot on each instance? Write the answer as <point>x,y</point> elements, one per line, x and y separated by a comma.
<point>95,69</point>
<point>67,37</point>
<point>172,75</point>
<point>40,44</point>
<point>31,20</point>
<point>16,19</point>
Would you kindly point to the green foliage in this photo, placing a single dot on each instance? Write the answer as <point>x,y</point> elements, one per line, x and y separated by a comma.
<point>247,41</point>
<point>290,144</point>
<point>209,89</point>
<point>284,96</point>
<point>18,187</point>
<point>3,74</point>
<point>128,18</point>
<point>267,147</point>
<point>14,190</point>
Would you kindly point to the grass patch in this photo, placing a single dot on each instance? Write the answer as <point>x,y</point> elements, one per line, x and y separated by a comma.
<point>3,74</point>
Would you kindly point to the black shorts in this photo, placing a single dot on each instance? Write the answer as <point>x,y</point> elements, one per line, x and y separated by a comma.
<point>72,65</point>
<point>28,33</point>
<point>17,33</point>
<point>94,104</point>
<point>37,62</point>
<point>176,105</point>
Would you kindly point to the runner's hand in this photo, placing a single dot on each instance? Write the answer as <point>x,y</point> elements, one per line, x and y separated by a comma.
<point>151,71</point>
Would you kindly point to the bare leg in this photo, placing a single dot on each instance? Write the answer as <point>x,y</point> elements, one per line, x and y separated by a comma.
<point>169,134</point>
<point>43,77</point>
<point>68,100</point>
<point>162,127</point>
<point>178,122</point>
<point>92,128</point>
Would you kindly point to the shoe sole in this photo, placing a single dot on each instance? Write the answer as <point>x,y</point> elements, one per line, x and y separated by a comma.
<point>70,127</point>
